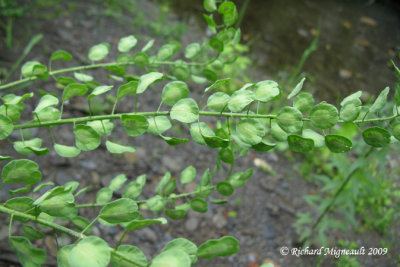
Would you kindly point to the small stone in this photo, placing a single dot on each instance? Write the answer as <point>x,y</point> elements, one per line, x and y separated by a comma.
<point>191,224</point>
<point>88,165</point>
<point>219,220</point>
<point>148,235</point>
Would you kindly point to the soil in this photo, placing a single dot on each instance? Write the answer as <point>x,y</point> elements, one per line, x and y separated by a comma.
<point>260,214</point>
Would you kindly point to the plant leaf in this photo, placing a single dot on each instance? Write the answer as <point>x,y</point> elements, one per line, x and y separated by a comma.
<point>61,55</point>
<point>146,80</point>
<point>290,119</point>
<point>67,151</point>
<point>229,13</point>
<point>380,101</point>
<point>173,92</point>
<point>250,131</point>
<point>127,89</point>
<point>118,211</point>
<point>158,125</point>
<point>127,43</point>
<point>338,143</point>
<point>46,101</point>
<point>304,101</point>
<point>224,246</point>
<point>376,136</point>
<point>297,89</point>
<point>183,244</point>
<point>199,205</point>
<point>266,91</point>
<point>74,89</point>
<point>218,101</point>
<point>27,254</point>
<point>118,149</point>
<point>298,143</point>
<point>21,171</point>
<point>134,254</point>
<point>324,116</point>
<point>6,127</point>
<point>140,224</point>
<point>90,251</point>
<point>99,90</point>
<point>185,110</point>
<point>86,138</point>
<point>134,125</point>
<point>192,50</point>
<point>173,257</point>
<point>240,99</point>
<point>99,52</point>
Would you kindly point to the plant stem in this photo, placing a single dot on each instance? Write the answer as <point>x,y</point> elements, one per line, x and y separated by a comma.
<point>242,12</point>
<point>58,228</point>
<point>165,113</point>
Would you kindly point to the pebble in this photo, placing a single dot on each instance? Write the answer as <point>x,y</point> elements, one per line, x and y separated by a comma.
<point>148,235</point>
<point>191,224</point>
<point>88,165</point>
<point>269,232</point>
<point>219,220</point>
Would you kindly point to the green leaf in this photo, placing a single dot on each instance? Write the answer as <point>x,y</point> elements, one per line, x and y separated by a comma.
<point>163,182</point>
<point>33,68</point>
<point>215,141</point>
<point>132,190</point>
<point>290,119</point>
<point>210,74</point>
<point>338,143</point>
<point>22,147</point>
<point>224,246</point>
<point>41,186</point>
<point>22,190</point>
<point>118,149</point>
<point>185,245</point>
<point>99,90</point>
<point>31,233</point>
<point>238,179</point>
<point>102,127</point>
<point>86,138</point>
<point>229,13</point>
<point>61,55</point>
<point>158,125</point>
<point>298,143</point>
<point>240,99</point>
<point>117,182</point>
<point>21,171</point>
<point>148,45</point>
<point>127,89</point>
<point>134,254</point>
<point>90,251</point>
<point>185,110</point>
<point>127,43</point>
<point>99,52</point>
<point>27,254</point>
<point>199,205</point>
<point>83,77</point>
<point>216,44</point>
<point>250,131</point>
<point>188,175</point>
<point>210,5</point>
<point>351,97</point>
<point>380,101</point>
<point>324,116</point>
<point>173,92</point>
<point>181,72</point>
<point>46,101</point>
<point>104,195</point>
<point>48,114</point>
<point>166,52</point>
<point>264,146</point>
<point>72,90</point>
<point>173,257</point>
<point>5,158</point>
<point>198,130</point>
<point>376,136</point>
<point>192,50</point>
<point>266,91</point>
<point>62,256</point>
<point>297,89</point>
<point>140,224</point>
<point>60,205</point>
<point>217,84</point>
<point>218,101</point>
<point>226,155</point>
<point>64,81</point>
<point>175,214</point>
<point>174,141</point>
<point>211,23</point>
<point>134,125</point>
<point>156,204</point>
<point>225,188</point>
<point>12,99</point>
<point>146,80</point>
<point>304,101</point>
<point>66,151</point>
<point>396,130</point>
<point>319,140</point>
<point>118,211</point>
<point>141,59</point>
<point>350,110</point>
<point>6,127</point>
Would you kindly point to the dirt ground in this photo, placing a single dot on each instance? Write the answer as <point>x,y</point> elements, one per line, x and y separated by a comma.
<point>265,207</point>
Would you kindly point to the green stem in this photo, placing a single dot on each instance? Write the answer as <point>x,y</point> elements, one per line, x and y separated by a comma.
<point>120,240</point>
<point>242,12</point>
<point>93,66</point>
<point>58,228</point>
<point>166,113</point>
<point>89,225</point>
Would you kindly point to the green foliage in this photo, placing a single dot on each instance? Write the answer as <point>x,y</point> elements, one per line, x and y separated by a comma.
<point>241,126</point>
